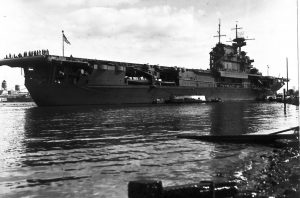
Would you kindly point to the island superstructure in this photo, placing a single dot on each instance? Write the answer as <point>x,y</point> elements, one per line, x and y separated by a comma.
<point>59,80</point>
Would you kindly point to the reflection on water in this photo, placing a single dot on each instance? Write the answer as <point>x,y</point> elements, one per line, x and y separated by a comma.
<point>95,151</point>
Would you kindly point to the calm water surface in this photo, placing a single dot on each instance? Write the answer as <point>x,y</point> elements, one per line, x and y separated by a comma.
<point>95,151</point>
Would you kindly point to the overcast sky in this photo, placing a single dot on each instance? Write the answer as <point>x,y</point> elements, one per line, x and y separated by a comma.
<point>164,32</point>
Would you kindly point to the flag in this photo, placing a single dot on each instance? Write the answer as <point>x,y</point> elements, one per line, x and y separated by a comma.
<point>66,40</point>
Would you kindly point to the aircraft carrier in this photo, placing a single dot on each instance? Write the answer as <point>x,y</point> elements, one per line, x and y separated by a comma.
<point>58,80</point>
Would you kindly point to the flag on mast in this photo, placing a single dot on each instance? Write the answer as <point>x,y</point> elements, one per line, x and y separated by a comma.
<point>65,39</point>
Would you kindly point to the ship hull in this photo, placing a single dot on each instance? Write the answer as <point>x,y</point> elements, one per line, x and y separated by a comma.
<point>61,81</point>
<point>57,95</point>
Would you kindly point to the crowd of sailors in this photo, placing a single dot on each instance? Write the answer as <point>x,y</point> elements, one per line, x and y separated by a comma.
<point>28,54</point>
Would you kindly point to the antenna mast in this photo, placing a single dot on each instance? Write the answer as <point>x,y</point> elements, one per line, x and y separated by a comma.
<point>236,30</point>
<point>219,32</point>
<point>239,42</point>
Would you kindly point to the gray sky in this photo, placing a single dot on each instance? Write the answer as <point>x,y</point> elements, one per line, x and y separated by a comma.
<point>164,32</point>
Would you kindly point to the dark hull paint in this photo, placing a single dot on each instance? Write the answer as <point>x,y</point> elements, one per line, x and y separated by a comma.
<point>58,95</point>
<point>60,81</point>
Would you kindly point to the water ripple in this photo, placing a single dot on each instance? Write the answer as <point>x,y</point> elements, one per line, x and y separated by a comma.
<point>96,151</point>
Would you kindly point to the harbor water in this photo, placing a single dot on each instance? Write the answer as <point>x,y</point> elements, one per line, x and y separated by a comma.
<point>95,151</point>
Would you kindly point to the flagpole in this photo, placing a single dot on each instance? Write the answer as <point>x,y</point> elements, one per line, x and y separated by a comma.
<point>287,74</point>
<point>298,43</point>
<point>63,45</point>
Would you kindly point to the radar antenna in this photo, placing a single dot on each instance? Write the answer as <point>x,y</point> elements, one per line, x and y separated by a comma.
<point>219,32</point>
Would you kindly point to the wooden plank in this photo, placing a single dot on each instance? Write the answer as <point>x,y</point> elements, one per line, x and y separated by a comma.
<point>264,138</point>
<point>290,129</point>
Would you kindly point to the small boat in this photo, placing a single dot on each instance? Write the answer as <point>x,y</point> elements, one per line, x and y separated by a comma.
<point>187,99</point>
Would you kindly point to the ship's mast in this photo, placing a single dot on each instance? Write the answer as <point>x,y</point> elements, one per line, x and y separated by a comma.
<point>219,32</point>
<point>236,30</point>
<point>239,42</point>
